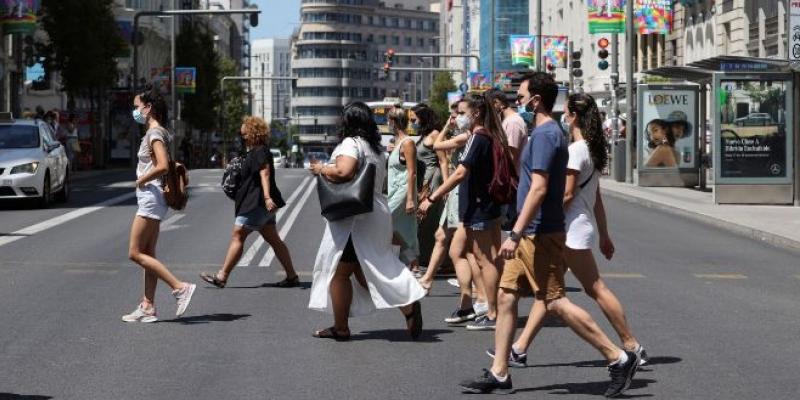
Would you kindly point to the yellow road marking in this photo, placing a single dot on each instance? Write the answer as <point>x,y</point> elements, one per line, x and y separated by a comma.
<point>621,275</point>
<point>720,276</point>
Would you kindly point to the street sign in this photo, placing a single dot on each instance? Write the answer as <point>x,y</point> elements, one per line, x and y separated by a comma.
<point>794,30</point>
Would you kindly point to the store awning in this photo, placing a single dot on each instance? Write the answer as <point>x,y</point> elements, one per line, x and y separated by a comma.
<point>703,71</point>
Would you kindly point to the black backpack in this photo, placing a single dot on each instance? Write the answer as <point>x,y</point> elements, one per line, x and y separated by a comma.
<point>232,177</point>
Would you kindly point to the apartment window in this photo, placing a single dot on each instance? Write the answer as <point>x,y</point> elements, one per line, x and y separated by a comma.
<point>395,40</point>
<point>413,24</point>
<point>409,41</point>
<point>370,38</point>
<point>421,42</point>
<point>382,39</point>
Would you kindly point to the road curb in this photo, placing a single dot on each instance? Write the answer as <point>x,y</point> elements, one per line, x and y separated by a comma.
<point>769,238</point>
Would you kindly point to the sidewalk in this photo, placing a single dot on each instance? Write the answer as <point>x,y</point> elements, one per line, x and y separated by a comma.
<point>776,225</point>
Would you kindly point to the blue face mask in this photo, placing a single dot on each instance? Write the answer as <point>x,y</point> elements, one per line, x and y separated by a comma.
<point>525,112</point>
<point>139,117</point>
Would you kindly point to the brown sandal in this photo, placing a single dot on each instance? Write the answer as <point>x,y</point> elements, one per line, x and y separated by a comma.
<point>332,333</point>
<point>213,279</point>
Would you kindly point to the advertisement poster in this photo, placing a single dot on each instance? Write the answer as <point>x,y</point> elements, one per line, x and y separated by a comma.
<point>503,80</point>
<point>794,31</point>
<point>126,32</point>
<point>523,49</point>
<point>669,127</point>
<point>555,49</point>
<point>752,132</point>
<point>653,16</point>
<point>19,16</point>
<point>185,80</point>
<point>606,16</point>
<point>479,81</point>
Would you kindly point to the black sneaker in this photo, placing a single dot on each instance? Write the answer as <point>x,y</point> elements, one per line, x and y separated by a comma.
<point>482,324</point>
<point>516,360</point>
<point>459,316</point>
<point>487,383</point>
<point>622,375</point>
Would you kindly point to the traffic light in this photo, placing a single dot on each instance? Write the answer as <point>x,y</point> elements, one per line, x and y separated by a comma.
<point>389,60</point>
<point>575,68</point>
<point>603,54</point>
<point>254,19</point>
<point>28,51</point>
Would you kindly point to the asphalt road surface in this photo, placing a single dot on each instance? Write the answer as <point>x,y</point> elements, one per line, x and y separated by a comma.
<point>717,313</point>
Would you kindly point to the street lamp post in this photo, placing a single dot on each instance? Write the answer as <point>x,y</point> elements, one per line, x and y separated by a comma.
<point>630,36</point>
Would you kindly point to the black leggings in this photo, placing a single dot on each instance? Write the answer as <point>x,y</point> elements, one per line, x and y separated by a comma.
<point>349,254</point>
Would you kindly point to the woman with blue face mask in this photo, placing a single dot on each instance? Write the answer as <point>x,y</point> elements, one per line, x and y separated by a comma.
<point>150,110</point>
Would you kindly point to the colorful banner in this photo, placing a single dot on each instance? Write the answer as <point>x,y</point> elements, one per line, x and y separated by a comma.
<point>503,81</point>
<point>606,16</point>
<point>555,49</point>
<point>125,28</point>
<point>19,16</point>
<point>186,80</point>
<point>653,16</point>
<point>523,50</point>
<point>479,81</point>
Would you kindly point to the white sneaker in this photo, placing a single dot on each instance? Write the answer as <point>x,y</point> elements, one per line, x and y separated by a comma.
<point>183,297</point>
<point>141,314</point>
<point>453,282</point>
<point>480,308</point>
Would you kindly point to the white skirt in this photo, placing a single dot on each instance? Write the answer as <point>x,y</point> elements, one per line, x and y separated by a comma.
<point>389,282</point>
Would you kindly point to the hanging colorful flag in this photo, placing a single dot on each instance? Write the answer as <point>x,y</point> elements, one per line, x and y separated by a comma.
<point>555,49</point>
<point>606,16</point>
<point>19,16</point>
<point>653,16</point>
<point>523,50</point>
<point>479,81</point>
<point>503,81</point>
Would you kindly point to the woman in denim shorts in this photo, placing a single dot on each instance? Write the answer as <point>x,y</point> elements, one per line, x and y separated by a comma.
<point>257,201</point>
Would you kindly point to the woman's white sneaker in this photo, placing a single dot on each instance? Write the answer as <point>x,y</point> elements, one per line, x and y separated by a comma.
<point>141,314</point>
<point>183,297</point>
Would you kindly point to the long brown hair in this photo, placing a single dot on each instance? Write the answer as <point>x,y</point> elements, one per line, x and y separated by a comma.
<point>487,117</point>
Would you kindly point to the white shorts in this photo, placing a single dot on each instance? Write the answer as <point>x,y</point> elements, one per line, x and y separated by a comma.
<point>151,202</point>
<point>580,232</point>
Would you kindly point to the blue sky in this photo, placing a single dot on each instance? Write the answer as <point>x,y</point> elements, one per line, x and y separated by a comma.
<point>278,18</point>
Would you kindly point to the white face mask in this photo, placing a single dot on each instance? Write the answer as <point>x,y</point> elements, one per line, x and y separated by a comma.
<point>463,122</point>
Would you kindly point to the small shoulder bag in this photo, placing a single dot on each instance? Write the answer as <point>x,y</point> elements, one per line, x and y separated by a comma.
<point>347,199</point>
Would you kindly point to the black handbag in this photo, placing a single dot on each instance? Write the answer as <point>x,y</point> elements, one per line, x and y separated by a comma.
<point>347,199</point>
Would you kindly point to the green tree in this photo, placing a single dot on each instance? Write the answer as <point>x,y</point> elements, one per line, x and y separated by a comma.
<point>84,40</point>
<point>442,83</point>
<point>232,105</point>
<point>195,48</point>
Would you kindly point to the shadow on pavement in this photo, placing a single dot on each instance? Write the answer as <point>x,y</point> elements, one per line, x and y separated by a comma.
<point>603,363</point>
<point>204,319</point>
<point>273,285</point>
<point>400,335</point>
<point>12,396</point>
<point>591,388</point>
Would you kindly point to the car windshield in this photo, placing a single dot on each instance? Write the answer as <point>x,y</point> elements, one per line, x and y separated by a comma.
<point>19,137</point>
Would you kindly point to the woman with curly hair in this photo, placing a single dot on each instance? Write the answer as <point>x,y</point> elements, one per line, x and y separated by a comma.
<point>662,144</point>
<point>582,204</point>
<point>257,202</point>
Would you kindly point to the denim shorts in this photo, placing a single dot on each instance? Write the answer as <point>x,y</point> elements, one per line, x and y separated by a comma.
<point>481,225</point>
<point>255,219</point>
<point>151,203</point>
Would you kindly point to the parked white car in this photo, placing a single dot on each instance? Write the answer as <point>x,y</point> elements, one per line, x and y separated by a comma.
<point>278,159</point>
<point>33,165</point>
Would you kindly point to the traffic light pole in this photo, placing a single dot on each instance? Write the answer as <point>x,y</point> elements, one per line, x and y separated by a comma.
<point>618,152</point>
<point>629,97</point>
<point>437,55</point>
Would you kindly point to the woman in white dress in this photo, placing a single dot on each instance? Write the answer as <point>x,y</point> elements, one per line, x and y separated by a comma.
<point>356,271</point>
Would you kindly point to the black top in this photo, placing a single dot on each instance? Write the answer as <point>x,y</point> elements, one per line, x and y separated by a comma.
<point>251,195</point>
<point>475,205</point>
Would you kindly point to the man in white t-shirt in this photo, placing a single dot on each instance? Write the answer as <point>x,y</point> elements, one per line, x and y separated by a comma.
<point>514,126</point>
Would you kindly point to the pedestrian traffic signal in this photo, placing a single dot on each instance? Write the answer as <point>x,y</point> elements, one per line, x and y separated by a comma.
<point>388,60</point>
<point>603,54</point>
<point>575,68</point>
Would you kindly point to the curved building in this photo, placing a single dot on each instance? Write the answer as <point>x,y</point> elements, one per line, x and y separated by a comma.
<point>338,57</point>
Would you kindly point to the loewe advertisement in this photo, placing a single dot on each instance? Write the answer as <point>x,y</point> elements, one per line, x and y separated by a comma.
<point>669,127</point>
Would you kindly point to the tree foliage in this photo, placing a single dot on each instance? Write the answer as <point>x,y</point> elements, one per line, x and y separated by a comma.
<point>85,40</point>
<point>232,105</point>
<point>442,83</point>
<point>195,48</point>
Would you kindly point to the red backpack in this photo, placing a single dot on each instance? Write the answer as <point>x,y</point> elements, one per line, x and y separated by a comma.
<point>503,187</point>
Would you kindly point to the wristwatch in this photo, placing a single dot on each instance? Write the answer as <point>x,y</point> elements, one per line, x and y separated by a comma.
<point>515,237</point>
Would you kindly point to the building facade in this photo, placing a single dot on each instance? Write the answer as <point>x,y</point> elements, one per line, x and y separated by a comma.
<point>271,58</point>
<point>510,17</point>
<point>338,54</point>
